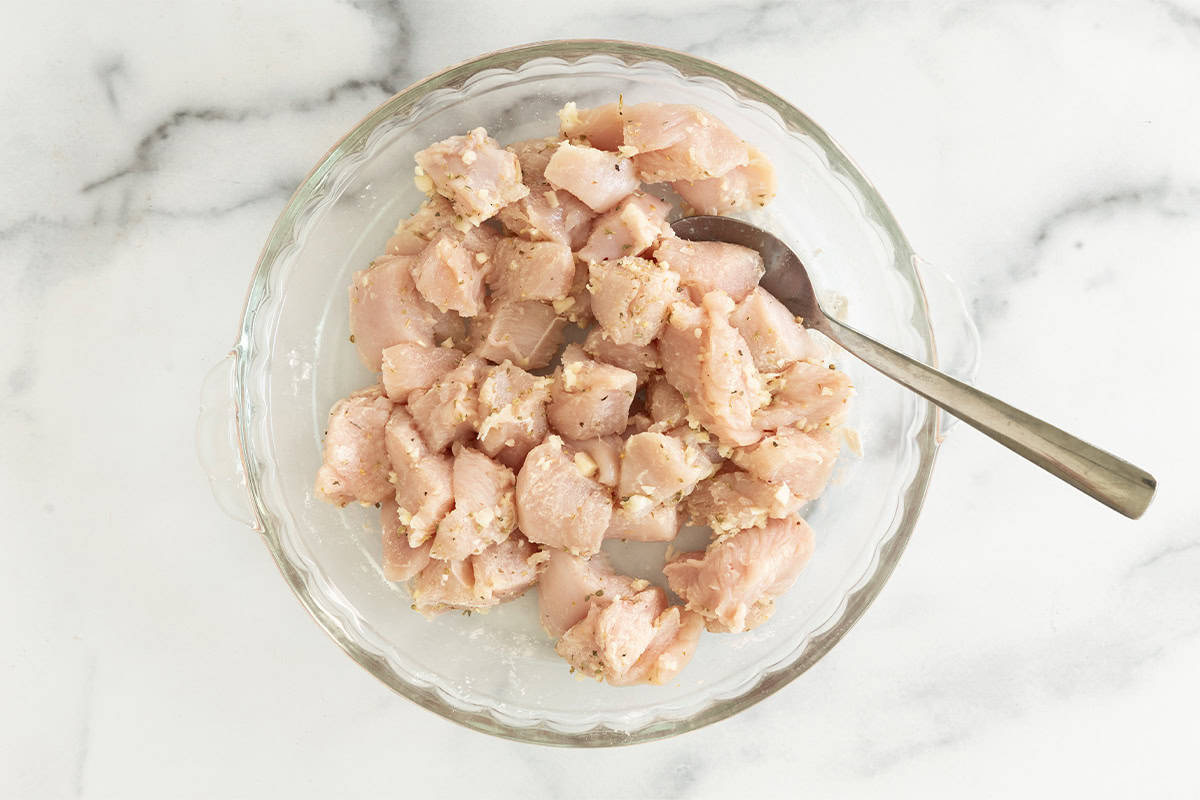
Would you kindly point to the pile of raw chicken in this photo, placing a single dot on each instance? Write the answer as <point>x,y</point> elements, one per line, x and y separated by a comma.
<point>695,397</point>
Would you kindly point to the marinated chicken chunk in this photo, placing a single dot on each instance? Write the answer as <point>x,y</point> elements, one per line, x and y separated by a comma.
<point>589,398</point>
<point>450,276</point>
<point>597,177</point>
<point>356,464</point>
<point>599,127</point>
<point>705,267</point>
<point>808,396</point>
<point>635,520</point>
<point>401,560</point>
<point>598,457</point>
<point>420,476</point>
<point>640,359</point>
<point>734,499</point>
<point>409,366</point>
<point>749,186</point>
<point>630,229</point>
<point>448,411</point>
<point>512,407</point>
<point>678,142</point>
<point>500,573</point>
<point>414,233</point>
<point>800,461</point>
<point>484,510</point>
<point>386,309</point>
<point>569,583</point>
<point>775,338</point>
<point>631,297</point>
<point>474,173</point>
<point>531,270</point>
<point>558,505</point>
<point>660,468</point>
<point>525,332</point>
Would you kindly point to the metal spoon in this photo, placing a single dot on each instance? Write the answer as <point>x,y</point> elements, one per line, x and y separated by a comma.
<point>1114,482</point>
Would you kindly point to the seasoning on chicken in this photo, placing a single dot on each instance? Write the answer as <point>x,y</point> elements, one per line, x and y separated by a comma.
<point>734,499</point>
<point>386,309</point>
<point>531,270</point>
<point>676,635</point>
<point>705,267</point>
<point>355,463</point>
<point>641,360</point>
<point>512,404</point>
<point>568,585</point>
<point>474,173</point>
<point>745,187</point>
<point>597,177</point>
<point>708,361</point>
<point>559,506</point>
<point>422,478</point>
<point>665,404</point>
<point>484,512</point>
<point>775,338</point>
<point>660,468</point>
<point>448,411</point>
<point>525,332</point>
<point>589,398</point>
<point>408,366</point>
<point>733,584</point>
<point>636,521</point>
<point>631,297</point>
<point>678,142</point>
<point>448,275</point>
<point>599,127</point>
<point>808,396</point>
<point>546,213</point>
<point>800,461</point>
<point>598,457</point>
<point>500,573</point>
<point>415,232</point>
<point>401,560</point>
<point>630,229</point>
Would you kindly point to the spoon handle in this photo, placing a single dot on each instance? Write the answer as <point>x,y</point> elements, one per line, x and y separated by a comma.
<point>1111,480</point>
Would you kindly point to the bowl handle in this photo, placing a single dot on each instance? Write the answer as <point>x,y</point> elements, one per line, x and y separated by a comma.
<point>217,442</point>
<point>955,336</point>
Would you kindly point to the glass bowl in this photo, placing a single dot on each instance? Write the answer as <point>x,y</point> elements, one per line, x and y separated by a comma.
<point>265,406</point>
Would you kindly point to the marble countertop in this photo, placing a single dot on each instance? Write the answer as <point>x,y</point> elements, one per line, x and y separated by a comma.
<point>1031,643</point>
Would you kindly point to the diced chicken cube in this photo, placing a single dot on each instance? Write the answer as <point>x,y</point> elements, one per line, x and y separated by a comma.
<point>474,173</point>
<point>578,306</point>
<point>598,457</point>
<point>676,635</point>
<point>775,338</point>
<point>613,635</point>
<point>705,267</point>
<point>599,127</point>
<point>640,359</point>
<point>732,500</point>
<point>484,512</point>
<point>631,297</point>
<point>409,366</point>
<point>526,332</point>
<point>679,142</point>
<point>512,404</point>
<point>533,155</point>
<point>500,573</point>
<point>551,215</point>
<point>448,411</point>
<point>665,404</point>
<point>589,398</point>
<point>401,560</point>
<point>733,584</point>
<point>531,270</point>
<point>708,361</point>
<point>387,309</point>
<point>559,506</point>
<point>749,186</point>
<point>415,232</point>
<point>597,177</point>
<point>421,478</point>
<point>807,396</point>
<point>355,463</point>
<point>660,468</point>
<point>632,520</point>
<point>630,229</point>
<point>801,461</point>
<point>447,275</point>
<point>568,585</point>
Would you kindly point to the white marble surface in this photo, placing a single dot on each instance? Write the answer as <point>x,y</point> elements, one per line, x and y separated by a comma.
<point>1031,643</point>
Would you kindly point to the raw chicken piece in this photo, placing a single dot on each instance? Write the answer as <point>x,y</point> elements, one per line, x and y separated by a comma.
<point>749,186</point>
<point>531,270</point>
<point>500,573</point>
<point>630,298</point>
<point>421,477</point>
<point>642,360</point>
<point>704,267</point>
<point>484,512</point>
<point>448,275</point>
<point>676,634</point>
<point>512,404</point>
<point>660,469</point>
<point>678,142</point>
<point>634,521</point>
<point>802,462</point>
<point>665,404</point>
<point>630,229</point>
<point>569,583</point>
<point>774,336</point>
<point>525,332</point>
<point>355,464</point>
<point>589,398</point>
<point>415,232</point>
<point>599,127</point>
<point>474,172</point>
<point>533,155</point>
<point>409,366</point>
<point>638,423</point>
<point>707,360</point>
<point>546,213</point>
<point>733,584</point>
<point>597,177</point>
<point>578,306</point>
<point>559,506</point>
<point>808,396</point>
<point>401,561</point>
<point>448,411</point>
<point>697,442</point>
<point>386,309</point>
<point>732,500</point>
<point>614,634</point>
<point>599,457</point>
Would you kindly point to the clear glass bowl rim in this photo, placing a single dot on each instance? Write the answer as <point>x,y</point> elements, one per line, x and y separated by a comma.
<point>927,436</point>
